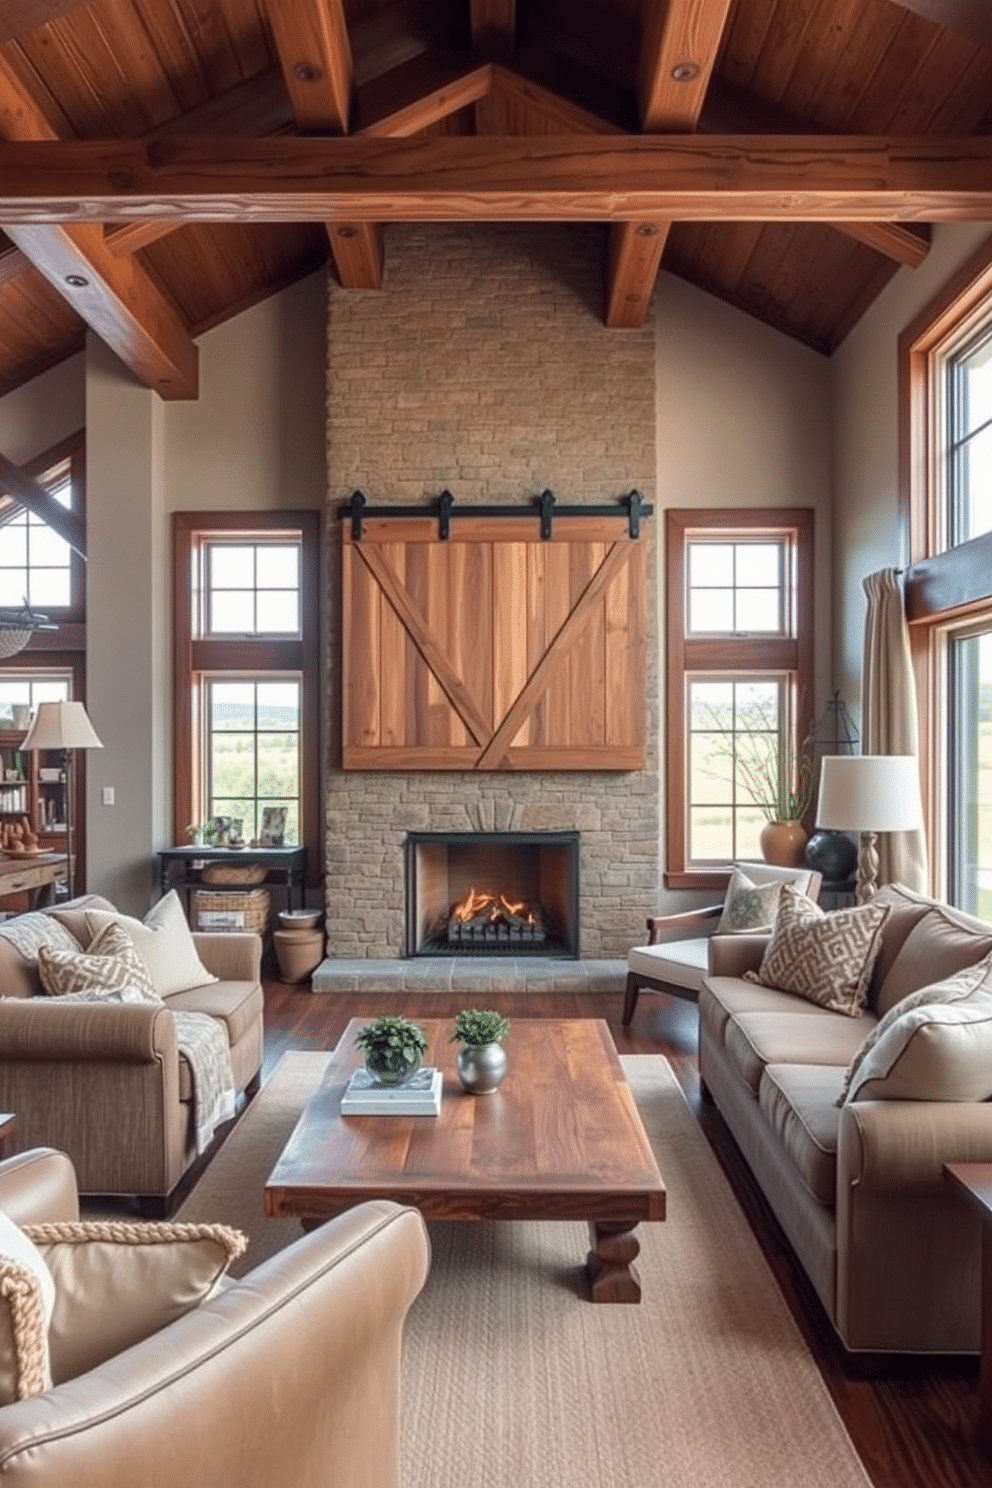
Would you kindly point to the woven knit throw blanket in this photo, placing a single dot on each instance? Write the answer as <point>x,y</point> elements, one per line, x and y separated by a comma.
<point>27,933</point>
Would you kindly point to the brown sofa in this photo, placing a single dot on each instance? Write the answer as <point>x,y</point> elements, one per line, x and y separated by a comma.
<point>288,1377</point>
<point>106,1084</point>
<point>859,1190</point>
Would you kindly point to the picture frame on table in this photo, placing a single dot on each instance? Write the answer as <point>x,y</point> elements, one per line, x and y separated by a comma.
<point>272,831</point>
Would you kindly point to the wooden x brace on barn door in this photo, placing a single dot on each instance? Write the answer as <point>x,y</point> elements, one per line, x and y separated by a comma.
<point>538,662</point>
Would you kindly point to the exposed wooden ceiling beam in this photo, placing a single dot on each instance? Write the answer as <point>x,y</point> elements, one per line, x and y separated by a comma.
<point>118,301</point>
<point>465,88</point>
<point>702,178</point>
<point>18,16</point>
<point>116,298</point>
<point>315,55</point>
<point>494,27</point>
<point>401,31</point>
<point>729,109</point>
<point>257,106</point>
<point>678,53</point>
<point>27,492</point>
<point>571,118</point>
<point>971,18</point>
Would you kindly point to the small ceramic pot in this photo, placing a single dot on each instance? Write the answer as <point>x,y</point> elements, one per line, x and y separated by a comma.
<point>481,1067</point>
<point>783,843</point>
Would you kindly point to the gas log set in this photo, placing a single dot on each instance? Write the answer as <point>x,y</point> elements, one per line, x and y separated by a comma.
<point>482,918</point>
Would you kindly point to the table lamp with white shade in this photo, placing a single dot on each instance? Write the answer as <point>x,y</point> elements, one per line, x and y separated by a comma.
<point>868,794</point>
<point>63,728</point>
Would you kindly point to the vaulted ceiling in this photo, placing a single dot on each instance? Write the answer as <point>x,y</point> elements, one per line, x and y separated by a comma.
<point>166,163</point>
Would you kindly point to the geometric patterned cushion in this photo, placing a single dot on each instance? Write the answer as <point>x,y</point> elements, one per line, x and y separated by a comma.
<point>110,965</point>
<point>974,981</point>
<point>748,906</point>
<point>826,958</point>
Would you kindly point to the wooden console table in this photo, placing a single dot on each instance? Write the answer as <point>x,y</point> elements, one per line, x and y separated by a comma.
<point>36,875</point>
<point>180,867</point>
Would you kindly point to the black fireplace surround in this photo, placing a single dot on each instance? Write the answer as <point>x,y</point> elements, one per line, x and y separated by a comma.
<point>533,878</point>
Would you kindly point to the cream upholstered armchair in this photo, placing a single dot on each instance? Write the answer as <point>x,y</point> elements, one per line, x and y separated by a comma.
<point>288,1376</point>
<point>676,958</point>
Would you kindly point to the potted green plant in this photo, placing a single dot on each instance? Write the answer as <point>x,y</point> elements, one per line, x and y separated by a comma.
<point>198,833</point>
<point>482,1061</point>
<point>394,1047</point>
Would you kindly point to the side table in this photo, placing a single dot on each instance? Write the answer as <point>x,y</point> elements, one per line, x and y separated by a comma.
<point>974,1182</point>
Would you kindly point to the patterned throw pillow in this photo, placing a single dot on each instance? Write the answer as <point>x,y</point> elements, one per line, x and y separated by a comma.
<point>975,979</point>
<point>826,958</point>
<point>110,964</point>
<point>748,906</point>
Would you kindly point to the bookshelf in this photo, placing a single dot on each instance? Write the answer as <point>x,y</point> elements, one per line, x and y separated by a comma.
<point>33,785</point>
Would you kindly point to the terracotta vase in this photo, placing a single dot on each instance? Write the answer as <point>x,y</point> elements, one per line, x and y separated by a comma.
<point>783,843</point>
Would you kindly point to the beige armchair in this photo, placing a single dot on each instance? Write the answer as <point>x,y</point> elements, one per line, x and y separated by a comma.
<point>288,1377</point>
<point>676,957</point>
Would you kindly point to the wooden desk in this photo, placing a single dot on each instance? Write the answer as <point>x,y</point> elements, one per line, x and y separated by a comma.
<point>286,866</point>
<point>34,875</point>
<point>974,1181</point>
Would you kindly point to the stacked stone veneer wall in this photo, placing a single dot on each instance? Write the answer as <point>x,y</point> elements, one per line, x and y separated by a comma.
<point>483,367</point>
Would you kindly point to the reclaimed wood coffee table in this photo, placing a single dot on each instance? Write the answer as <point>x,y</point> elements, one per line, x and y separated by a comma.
<point>560,1139</point>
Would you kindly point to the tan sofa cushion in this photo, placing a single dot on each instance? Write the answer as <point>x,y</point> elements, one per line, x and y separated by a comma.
<point>239,1005</point>
<point>942,942</point>
<point>906,909</point>
<point>116,1283</point>
<point>724,997</point>
<point>800,1102</point>
<point>826,958</point>
<point>754,1040</point>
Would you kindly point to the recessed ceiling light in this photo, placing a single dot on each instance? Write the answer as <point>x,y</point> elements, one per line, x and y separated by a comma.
<point>684,72</point>
<point>76,280</point>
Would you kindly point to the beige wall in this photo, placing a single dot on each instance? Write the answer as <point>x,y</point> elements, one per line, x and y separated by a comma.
<point>254,439</point>
<point>743,421</point>
<point>867,533</point>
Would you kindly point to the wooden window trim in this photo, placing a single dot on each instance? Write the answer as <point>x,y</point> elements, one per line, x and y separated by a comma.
<point>686,654</point>
<point>192,656</point>
<point>71,621</point>
<point>940,587</point>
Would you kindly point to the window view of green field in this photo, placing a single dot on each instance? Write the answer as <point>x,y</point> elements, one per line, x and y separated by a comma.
<point>254,756</point>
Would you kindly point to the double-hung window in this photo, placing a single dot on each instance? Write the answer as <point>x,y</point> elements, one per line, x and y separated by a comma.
<point>739,679</point>
<point>946,386</point>
<point>247,673</point>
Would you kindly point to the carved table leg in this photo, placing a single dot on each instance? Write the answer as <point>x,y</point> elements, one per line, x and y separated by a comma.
<point>612,1274</point>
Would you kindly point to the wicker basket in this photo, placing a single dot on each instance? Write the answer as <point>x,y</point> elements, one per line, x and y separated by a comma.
<point>243,874</point>
<point>246,911</point>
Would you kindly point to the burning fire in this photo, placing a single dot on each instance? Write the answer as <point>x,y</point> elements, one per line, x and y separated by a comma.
<point>476,903</point>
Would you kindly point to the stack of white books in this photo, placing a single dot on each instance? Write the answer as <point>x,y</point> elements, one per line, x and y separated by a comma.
<point>420,1095</point>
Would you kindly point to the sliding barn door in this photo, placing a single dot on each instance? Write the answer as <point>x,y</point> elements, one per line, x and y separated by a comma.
<point>493,649</point>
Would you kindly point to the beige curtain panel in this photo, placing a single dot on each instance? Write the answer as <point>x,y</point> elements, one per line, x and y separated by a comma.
<point>888,707</point>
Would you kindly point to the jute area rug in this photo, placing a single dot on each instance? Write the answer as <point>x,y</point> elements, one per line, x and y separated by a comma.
<point>510,1377</point>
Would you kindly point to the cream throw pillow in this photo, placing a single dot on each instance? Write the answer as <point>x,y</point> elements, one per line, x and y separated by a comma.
<point>826,958</point>
<point>975,979</point>
<point>748,906</point>
<point>938,1052</point>
<point>110,964</point>
<point>27,1297</point>
<point>164,943</point>
<point>117,1283</point>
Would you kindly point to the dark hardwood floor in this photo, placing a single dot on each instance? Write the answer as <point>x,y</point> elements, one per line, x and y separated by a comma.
<point>913,1421</point>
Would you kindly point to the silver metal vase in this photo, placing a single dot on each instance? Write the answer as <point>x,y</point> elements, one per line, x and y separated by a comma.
<point>481,1067</point>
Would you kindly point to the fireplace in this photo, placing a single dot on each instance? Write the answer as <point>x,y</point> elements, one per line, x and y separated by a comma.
<point>492,894</point>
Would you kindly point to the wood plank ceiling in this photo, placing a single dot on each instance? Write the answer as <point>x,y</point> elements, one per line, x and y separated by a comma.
<point>825,136</point>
